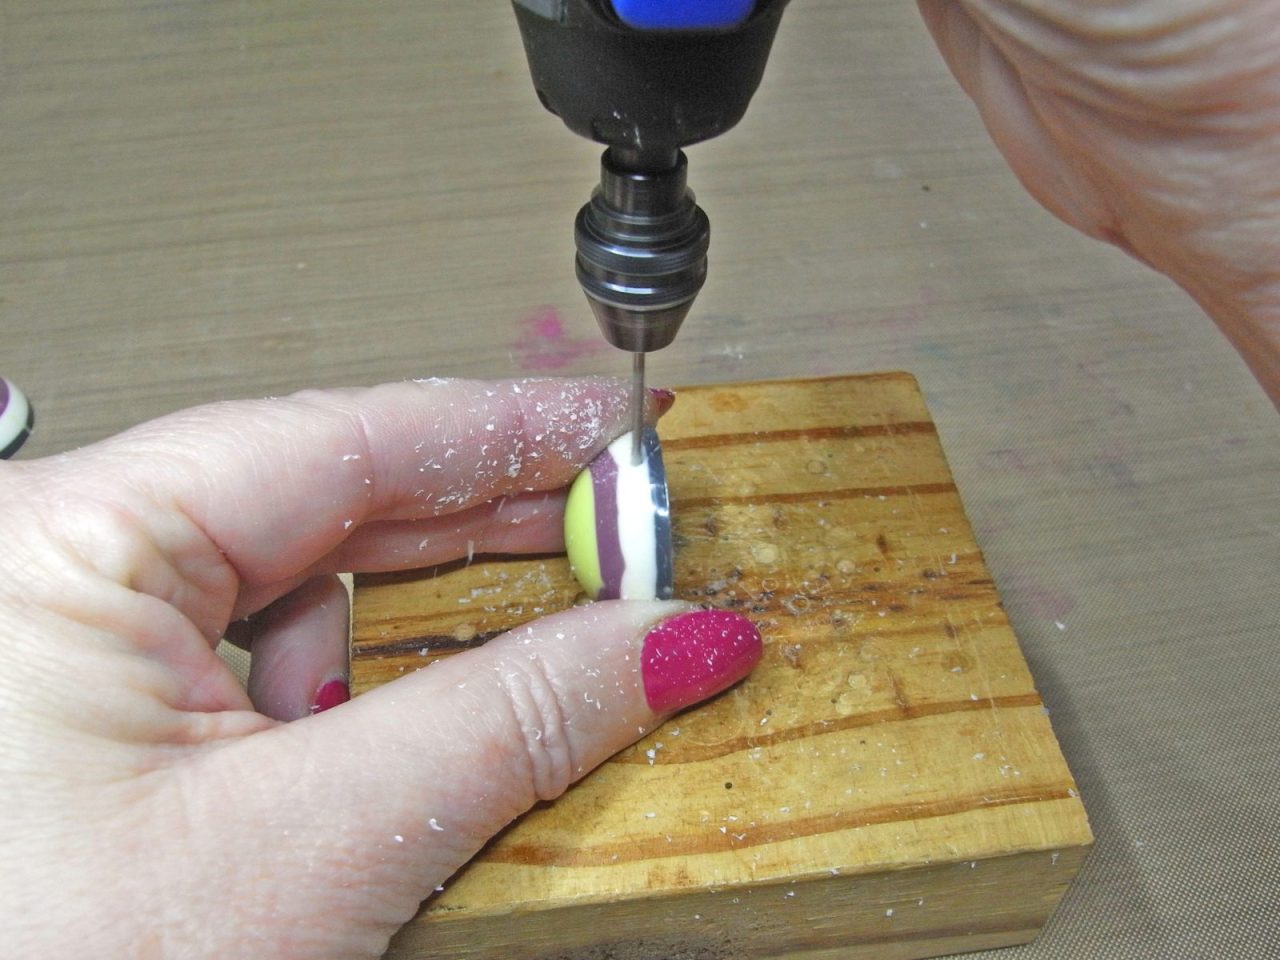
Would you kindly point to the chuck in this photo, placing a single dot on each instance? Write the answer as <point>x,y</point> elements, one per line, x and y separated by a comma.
<point>642,248</point>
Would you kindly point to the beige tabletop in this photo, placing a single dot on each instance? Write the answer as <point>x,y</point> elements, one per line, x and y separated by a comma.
<point>209,200</point>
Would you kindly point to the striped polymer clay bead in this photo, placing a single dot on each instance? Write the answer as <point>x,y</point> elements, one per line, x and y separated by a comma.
<point>15,418</point>
<point>617,527</point>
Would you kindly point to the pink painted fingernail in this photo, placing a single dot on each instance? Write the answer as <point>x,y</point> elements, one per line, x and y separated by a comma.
<point>693,655</point>
<point>662,399</point>
<point>330,694</point>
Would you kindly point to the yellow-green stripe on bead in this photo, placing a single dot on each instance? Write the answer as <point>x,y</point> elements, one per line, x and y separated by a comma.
<point>580,535</point>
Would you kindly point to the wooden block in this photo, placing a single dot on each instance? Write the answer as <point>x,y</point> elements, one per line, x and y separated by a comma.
<point>886,784</point>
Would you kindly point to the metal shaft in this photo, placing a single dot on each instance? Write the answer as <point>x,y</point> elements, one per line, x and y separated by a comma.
<point>637,406</point>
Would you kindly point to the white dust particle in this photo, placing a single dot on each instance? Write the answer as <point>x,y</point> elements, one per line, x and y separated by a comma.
<point>650,815</point>
<point>351,456</point>
<point>1059,624</point>
<point>346,524</point>
<point>435,825</point>
<point>398,839</point>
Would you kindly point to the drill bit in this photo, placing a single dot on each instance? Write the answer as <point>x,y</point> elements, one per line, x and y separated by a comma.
<point>637,406</point>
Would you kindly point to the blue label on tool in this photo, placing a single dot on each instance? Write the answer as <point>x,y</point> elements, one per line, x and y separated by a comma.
<point>683,14</point>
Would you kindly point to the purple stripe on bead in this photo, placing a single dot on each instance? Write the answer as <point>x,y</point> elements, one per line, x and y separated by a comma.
<point>604,487</point>
<point>4,394</point>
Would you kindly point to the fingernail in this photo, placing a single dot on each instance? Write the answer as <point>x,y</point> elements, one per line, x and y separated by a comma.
<point>693,655</point>
<point>662,399</point>
<point>330,694</point>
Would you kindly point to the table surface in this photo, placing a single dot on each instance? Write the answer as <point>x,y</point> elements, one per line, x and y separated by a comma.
<point>210,200</point>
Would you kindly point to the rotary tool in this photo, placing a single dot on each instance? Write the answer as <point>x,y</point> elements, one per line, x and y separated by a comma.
<point>646,78</point>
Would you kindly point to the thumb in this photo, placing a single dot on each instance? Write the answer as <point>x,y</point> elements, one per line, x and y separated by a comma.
<point>403,785</point>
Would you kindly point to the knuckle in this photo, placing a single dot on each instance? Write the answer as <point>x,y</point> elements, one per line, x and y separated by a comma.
<point>544,748</point>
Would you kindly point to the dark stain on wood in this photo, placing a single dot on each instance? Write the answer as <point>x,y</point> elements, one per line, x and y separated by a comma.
<point>846,432</point>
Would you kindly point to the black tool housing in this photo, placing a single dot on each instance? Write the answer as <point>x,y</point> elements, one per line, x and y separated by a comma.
<point>649,91</point>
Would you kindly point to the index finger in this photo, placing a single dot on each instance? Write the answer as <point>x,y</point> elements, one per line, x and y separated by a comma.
<point>277,483</point>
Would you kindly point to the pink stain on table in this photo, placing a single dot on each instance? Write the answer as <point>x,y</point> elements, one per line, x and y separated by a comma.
<point>1040,599</point>
<point>544,343</point>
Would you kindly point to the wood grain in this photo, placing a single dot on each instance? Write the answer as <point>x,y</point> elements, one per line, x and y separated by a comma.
<point>885,784</point>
